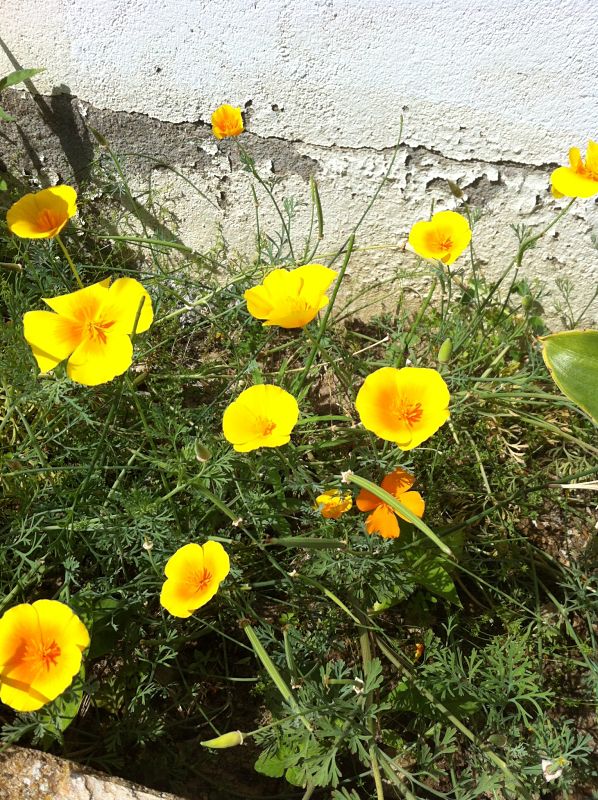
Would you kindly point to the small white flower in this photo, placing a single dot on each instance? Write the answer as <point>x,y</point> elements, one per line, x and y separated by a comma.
<point>552,769</point>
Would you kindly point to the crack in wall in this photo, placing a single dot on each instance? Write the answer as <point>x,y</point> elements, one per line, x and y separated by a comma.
<point>60,100</point>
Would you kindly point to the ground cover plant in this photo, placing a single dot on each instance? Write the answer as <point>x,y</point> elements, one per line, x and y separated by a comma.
<point>252,544</point>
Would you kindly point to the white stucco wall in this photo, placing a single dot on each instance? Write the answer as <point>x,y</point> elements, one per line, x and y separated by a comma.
<point>490,89</point>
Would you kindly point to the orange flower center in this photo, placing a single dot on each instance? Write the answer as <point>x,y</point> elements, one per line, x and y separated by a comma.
<point>445,245</point>
<point>267,427</point>
<point>586,171</point>
<point>44,655</point>
<point>203,580</point>
<point>47,220</point>
<point>97,330</point>
<point>407,413</point>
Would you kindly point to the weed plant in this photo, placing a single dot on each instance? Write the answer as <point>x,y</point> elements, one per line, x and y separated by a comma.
<point>356,667</point>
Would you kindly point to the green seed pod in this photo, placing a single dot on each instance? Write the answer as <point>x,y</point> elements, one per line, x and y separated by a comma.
<point>201,452</point>
<point>456,190</point>
<point>231,739</point>
<point>527,302</point>
<point>445,352</point>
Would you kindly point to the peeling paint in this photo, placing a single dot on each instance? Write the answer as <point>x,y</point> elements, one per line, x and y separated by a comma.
<point>53,142</point>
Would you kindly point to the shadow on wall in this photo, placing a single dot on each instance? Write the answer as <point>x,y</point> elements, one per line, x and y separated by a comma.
<point>63,121</point>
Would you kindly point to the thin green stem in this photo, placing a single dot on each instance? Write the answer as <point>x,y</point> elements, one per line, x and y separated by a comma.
<point>324,321</point>
<point>70,261</point>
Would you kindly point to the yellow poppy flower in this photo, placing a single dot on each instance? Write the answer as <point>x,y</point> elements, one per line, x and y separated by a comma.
<point>332,503</point>
<point>579,179</point>
<point>405,406</point>
<point>227,121</point>
<point>383,519</point>
<point>290,298</point>
<point>41,646</point>
<point>261,416</point>
<point>92,327</point>
<point>444,237</point>
<point>42,215</point>
<point>194,574</point>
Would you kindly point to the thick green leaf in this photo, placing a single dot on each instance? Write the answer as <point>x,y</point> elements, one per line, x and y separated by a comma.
<point>572,358</point>
<point>18,76</point>
<point>432,575</point>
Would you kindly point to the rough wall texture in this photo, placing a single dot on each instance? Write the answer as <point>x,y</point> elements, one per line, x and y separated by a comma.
<point>31,775</point>
<point>493,95</point>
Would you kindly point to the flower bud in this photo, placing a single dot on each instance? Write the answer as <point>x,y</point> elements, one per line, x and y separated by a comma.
<point>202,453</point>
<point>231,739</point>
<point>445,352</point>
<point>456,190</point>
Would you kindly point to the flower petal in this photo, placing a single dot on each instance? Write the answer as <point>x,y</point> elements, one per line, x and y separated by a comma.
<point>121,305</point>
<point>185,562</point>
<point>82,305</point>
<point>216,560</point>
<point>99,360</point>
<point>316,280</point>
<point>572,184</point>
<point>383,521</point>
<point>367,501</point>
<point>398,482</point>
<point>52,338</point>
<point>414,502</point>
<point>258,302</point>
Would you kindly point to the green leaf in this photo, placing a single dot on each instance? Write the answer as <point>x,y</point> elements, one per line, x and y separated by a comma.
<point>18,76</point>
<point>572,359</point>
<point>431,574</point>
<point>271,763</point>
<point>406,698</point>
<point>6,117</point>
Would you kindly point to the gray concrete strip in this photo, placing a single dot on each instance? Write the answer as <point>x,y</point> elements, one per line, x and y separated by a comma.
<point>30,775</point>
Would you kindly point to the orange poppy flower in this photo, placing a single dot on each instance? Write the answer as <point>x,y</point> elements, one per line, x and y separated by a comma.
<point>405,406</point>
<point>91,328</point>
<point>194,574</point>
<point>227,121</point>
<point>333,503</point>
<point>579,179</point>
<point>290,298</point>
<point>41,646</point>
<point>42,215</point>
<point>444,237</point>
<point>383,519</point>
<point>261,416</point>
